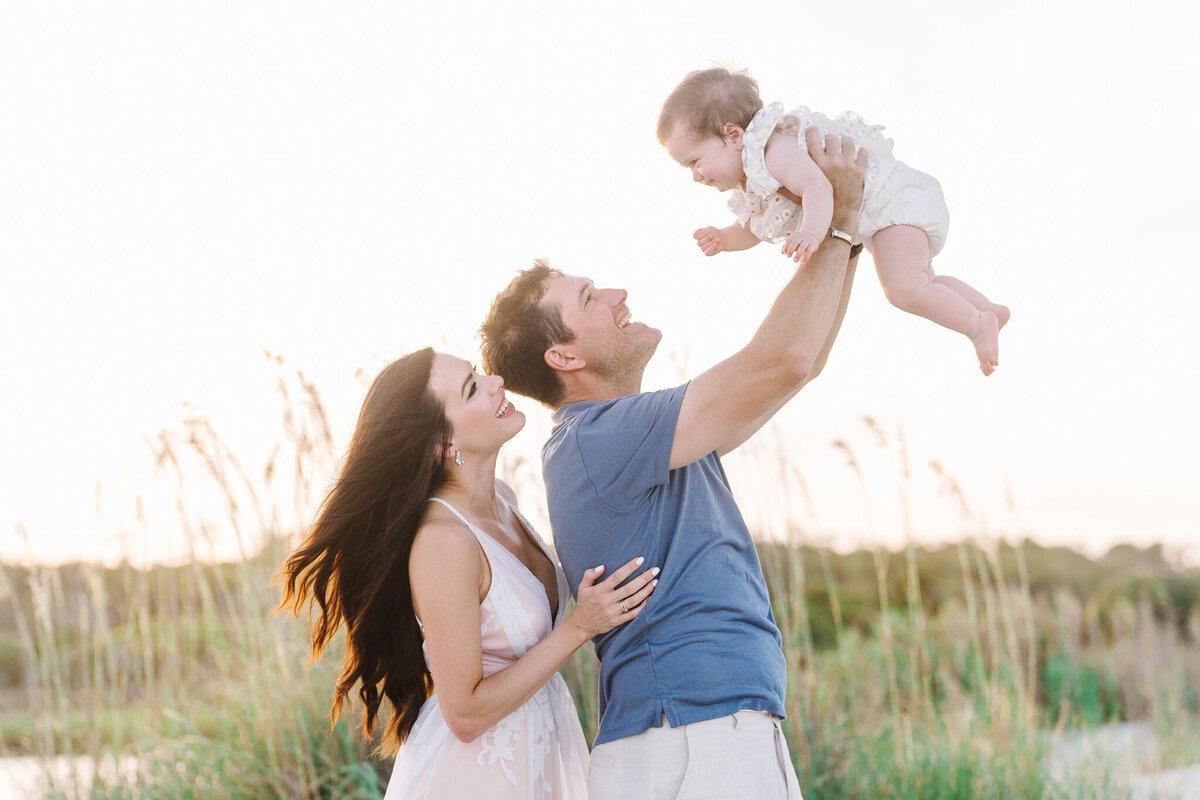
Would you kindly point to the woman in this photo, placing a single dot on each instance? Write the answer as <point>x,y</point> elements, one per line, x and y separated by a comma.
<point>453,607</point>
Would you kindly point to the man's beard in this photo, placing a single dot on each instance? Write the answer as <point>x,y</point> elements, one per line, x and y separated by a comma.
<point>625,366</point>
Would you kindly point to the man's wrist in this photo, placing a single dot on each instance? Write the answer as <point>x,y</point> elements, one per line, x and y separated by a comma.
<point>837,233</point>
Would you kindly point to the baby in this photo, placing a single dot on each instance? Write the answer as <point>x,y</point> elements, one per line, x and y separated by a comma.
<point>714,124</point>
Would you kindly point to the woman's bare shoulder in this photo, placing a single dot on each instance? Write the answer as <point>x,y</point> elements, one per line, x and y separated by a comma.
<point>444,538</point>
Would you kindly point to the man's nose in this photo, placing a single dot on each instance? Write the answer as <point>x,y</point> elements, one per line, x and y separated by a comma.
<point>616,296</point>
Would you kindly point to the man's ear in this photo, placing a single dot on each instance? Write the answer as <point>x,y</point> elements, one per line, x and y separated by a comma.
<point>560,359</point>
<point>735,135</point>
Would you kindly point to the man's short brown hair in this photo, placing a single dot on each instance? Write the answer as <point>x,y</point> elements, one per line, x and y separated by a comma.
<point>706,100</point>
<point>519,330</point>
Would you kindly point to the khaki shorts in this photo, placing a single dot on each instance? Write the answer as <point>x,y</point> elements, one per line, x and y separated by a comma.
<point>742,755</point>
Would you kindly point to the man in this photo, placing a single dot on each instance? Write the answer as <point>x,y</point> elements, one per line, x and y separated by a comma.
<point>692,690</point>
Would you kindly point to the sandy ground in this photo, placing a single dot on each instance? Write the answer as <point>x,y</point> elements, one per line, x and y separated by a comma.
<point>1182,783</point>
<point>1125,754</point>
<point>25,777</point>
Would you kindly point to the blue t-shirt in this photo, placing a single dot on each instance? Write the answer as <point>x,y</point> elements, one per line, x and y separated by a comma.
<point>706,644</point>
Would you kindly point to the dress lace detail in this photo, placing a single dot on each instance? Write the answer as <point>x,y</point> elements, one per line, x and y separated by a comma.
<point>771,215</point>
<point>536,752</point>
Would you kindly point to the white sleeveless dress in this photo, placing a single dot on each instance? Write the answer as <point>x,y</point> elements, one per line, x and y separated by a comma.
<point>537,752</point>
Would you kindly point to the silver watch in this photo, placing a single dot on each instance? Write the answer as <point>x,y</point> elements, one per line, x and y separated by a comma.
<point>845,237</point>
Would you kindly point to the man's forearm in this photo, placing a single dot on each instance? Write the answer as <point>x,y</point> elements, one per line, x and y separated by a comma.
<point>798,324</point>
<point>790,344</point>
<point>839,315</point>
<point>818,365</point>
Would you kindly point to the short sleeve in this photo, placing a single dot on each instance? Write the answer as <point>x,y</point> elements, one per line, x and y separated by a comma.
<point>625,445</point>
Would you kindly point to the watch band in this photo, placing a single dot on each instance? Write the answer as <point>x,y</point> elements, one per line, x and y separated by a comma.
<point>845,237</point>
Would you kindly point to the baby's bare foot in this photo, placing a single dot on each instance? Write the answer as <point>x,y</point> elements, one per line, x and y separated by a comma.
<point>1001,313</point>
<point>987,342</point>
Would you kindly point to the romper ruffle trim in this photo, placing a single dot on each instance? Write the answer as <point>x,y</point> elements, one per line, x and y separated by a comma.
<point>761,186</point>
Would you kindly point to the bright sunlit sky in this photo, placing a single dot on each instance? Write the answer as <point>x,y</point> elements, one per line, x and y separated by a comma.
<point>186,185</point>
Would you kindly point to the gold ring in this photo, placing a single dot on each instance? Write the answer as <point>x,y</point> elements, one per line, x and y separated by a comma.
<point>624,610</point>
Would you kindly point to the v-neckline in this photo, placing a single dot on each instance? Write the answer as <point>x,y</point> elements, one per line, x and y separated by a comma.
<point>550,608</point>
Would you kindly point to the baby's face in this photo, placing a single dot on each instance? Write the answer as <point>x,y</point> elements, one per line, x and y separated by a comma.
<point>713,161</point>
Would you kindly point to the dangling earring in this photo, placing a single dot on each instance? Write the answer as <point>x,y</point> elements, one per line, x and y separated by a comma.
<point>458,459</point>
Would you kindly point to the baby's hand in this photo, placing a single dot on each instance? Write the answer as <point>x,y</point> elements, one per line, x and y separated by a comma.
<point>710,240</point>
<point>800,246</point>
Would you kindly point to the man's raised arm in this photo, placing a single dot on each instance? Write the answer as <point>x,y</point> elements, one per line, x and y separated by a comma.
<point>745,433</point>
<point>722,402</point>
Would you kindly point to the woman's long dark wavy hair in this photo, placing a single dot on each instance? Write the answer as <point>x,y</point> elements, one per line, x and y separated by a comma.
<point>354,562</point>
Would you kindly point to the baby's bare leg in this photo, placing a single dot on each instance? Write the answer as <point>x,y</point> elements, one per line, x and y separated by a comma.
<point>901,255</point>
<point>974,297</point>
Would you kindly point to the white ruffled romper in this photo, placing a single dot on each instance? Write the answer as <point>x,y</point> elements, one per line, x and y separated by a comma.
<point>893,192</point>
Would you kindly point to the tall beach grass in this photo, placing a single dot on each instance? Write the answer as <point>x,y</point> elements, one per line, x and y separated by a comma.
<point>914,672</point>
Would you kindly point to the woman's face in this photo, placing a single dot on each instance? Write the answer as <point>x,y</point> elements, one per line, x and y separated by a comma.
<point>481,417</point>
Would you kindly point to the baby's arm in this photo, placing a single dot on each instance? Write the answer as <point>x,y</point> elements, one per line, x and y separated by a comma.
<point>801,177</point>
<point>718,240</point>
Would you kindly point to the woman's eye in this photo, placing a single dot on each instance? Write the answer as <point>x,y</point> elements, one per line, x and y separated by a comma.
<point>471,391</point>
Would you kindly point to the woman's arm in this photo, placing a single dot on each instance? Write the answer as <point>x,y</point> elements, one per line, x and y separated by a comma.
<point>446,569</point>
<point>792,166</point>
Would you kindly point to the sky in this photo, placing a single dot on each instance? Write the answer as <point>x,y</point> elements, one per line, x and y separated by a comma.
<point>186,187</point>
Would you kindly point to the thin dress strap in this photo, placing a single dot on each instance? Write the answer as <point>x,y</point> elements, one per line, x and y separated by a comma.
<point>453,510</point>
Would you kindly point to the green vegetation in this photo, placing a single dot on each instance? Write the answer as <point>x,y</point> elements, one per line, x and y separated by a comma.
<point>922,673</point>
<point>945,693</point>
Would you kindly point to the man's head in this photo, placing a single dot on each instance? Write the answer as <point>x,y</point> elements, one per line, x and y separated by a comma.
<point>517,332</point>
<point>557,338</point>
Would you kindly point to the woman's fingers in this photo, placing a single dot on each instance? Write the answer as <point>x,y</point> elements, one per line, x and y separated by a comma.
<point>633,594</point>
<point>590,576</point>
<point>617,600</point>
<point>636,599</point>
<point>639,581</point>
<point>622,598</point>
<point>618,577</point>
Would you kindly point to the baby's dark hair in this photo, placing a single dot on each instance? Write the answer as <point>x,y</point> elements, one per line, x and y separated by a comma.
<point>707,99</point>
